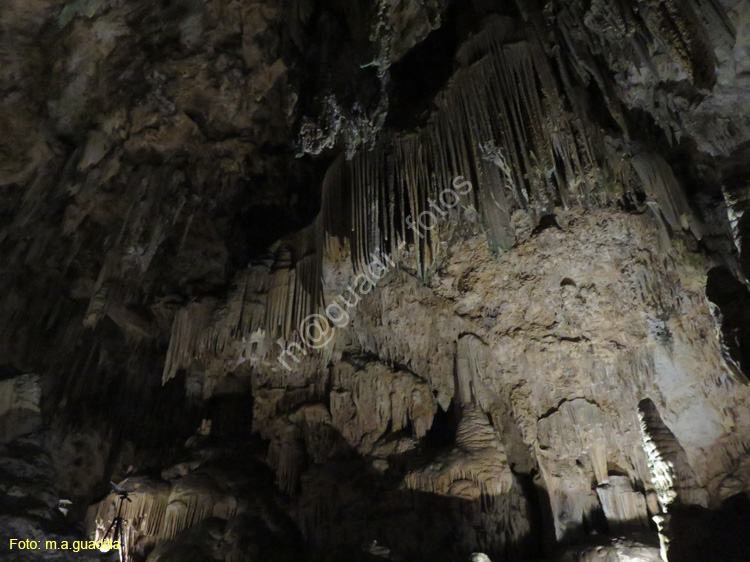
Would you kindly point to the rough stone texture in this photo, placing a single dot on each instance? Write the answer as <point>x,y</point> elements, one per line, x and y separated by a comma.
<point>214,505</point>
<point>618,551</point>
<point>562,357</point>
<point>611,312</point>
<point>565,374</point>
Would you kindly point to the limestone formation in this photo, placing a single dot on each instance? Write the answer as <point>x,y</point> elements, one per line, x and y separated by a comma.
<point>389,280</point>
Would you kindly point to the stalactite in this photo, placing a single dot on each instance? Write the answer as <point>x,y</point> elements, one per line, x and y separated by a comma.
<point>715,17</point>
<point>144,515</point>
<point>468,369</point>
<point>335,221</point>
<point>191,500</point>
<point>187,330</point>
<point>660,185</point>
<point>158,511</point>
<point>295,289</point>
<point>678,26</point>
<point>286,455</point>
<point>622,505</point>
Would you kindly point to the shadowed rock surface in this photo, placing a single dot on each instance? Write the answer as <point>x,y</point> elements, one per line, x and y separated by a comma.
<point>409,280</point>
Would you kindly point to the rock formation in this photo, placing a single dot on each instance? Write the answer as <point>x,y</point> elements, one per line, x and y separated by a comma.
<point>392,280</point>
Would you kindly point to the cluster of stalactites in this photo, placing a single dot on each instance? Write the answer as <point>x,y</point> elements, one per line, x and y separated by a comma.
<point>502,124</point>
<point>145,515</point>
<point>506,123</point>
<point>269,298</point>
<point>157,512</point>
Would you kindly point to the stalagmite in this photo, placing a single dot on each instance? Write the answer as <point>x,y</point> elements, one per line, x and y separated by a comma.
<point>476,472</point>
<point>479,458</point>
<point>671,473</point>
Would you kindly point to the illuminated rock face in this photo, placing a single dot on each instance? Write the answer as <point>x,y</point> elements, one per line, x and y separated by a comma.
<point>388,280</point>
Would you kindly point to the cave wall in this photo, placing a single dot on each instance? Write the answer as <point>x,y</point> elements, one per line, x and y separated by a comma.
<point>560,355</point>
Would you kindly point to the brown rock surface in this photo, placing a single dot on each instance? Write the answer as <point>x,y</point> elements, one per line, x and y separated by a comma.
<point>232,264</point>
